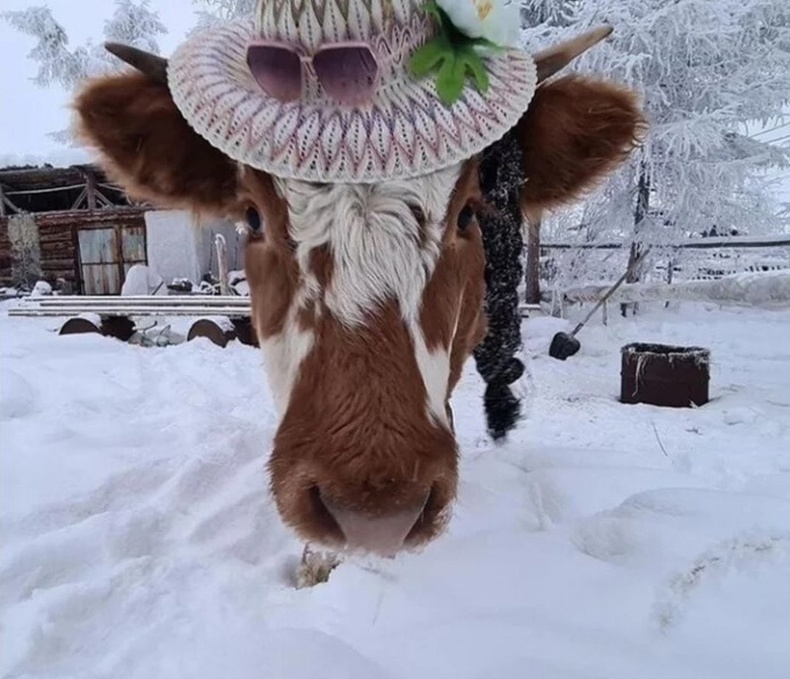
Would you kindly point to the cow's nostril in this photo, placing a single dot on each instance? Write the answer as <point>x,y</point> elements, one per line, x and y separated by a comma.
<point>382,535</point>
<point>431,507</point>
<point>323,517</point>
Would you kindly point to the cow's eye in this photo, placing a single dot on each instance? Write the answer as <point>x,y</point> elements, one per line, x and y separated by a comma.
<point>465,217</point>
<point>253,219</point>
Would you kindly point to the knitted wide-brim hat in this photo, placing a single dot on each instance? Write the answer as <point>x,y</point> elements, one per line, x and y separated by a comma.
<point>354,90</point>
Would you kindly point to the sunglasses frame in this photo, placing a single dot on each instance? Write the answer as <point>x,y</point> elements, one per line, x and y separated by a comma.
<point>306,60</point>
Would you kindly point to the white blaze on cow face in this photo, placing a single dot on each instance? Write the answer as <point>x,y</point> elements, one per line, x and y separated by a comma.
<point>435,370</point>
<point>283,355</point>
<point>385,240</point>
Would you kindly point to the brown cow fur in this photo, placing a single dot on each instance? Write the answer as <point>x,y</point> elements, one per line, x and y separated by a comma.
<point>575,132</point>
<point>358,429</point>
<point>147,146</point>
<point>357,426</point>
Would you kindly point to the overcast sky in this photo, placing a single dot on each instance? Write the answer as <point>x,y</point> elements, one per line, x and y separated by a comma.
<point>28,112</point>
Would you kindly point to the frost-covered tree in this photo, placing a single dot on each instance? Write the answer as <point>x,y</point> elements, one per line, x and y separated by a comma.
<point>56,62</point>
<point>213,11</point>
<point>133,22</point>
<point>704,69</point>
<point>543,22</point>
<point>546,14</point>
<point>25,250</point>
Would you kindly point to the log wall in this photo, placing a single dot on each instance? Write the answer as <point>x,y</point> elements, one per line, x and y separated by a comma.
<point>58,240</point>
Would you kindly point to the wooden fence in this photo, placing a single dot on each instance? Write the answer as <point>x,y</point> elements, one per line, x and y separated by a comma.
<point>696,244</point>
<point>726,270</point>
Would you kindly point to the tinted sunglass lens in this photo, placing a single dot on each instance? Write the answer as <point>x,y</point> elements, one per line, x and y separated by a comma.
<point>277,70</point>
<point>348,74</point>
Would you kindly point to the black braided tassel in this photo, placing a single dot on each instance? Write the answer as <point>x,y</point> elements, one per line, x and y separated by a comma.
<point>501,176</point>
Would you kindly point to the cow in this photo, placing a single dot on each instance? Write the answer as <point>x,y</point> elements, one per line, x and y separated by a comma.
<point>367,297</point>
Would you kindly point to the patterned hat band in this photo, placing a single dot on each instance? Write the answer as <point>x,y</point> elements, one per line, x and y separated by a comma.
<point>327,90</point>
<point>311,23</point>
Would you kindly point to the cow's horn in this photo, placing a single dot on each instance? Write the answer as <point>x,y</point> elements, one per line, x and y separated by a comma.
<point>152,65</point>
<point>551,60</point>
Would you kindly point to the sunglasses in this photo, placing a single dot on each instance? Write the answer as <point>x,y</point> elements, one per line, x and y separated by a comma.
<point>348,71</point>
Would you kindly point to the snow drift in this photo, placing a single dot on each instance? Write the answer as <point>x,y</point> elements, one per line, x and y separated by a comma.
<point>604,540</point>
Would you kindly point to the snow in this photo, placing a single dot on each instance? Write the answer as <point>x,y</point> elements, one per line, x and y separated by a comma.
<point>238,282</point>
<point>41,289</point>
<point>222,322</point>
<point>763,288</point>
<point>92,317</point>
<point>603,540</point>
<point>142,280</point>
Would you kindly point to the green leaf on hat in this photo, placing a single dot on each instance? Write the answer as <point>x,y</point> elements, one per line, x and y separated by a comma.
<point>450,81</point>
<point>453,55</point>
<point>427,58</point>
<point>474,64</point>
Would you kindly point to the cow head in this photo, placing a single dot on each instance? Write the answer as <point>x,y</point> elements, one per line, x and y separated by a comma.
<point>366,298</point>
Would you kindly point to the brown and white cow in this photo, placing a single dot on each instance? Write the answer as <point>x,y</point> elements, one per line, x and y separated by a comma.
<point>367,299</point>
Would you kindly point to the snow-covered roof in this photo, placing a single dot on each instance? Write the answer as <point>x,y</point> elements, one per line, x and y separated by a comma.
<point>57,157</point>
<point>48,188</point>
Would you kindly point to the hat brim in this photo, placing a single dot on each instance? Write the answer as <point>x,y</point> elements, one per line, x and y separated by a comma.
<point>405,131</point>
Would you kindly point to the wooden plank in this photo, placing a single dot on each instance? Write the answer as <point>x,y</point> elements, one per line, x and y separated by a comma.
<point>32,310</point>
<point>142,308</point>
<point>119,258</point>
<point>54,254</point>
<point>58,250</point>
<point>78,202</point>
<point>87,219</point>
<point>735,289</point>
<point>122,304</point>
<point>532,259</point>
<point>115,301</point>
<point>152,300</point>
<point>98,246</point>
<point>28,305</point>
<point>101,278</point>
<point>103,200</point>
<point>697,244</point>
<point>51,238</point>
<point>7,203</point>
<point>102,271</point>
<point>48,189</point>
<point>57,262</point>
<point>90,190</point>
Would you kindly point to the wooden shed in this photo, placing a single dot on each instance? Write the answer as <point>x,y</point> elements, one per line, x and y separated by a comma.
<point>80,228</point>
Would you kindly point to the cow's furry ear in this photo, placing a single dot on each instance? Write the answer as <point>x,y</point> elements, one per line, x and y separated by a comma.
<point>146,145</point>
<point>575,132</point>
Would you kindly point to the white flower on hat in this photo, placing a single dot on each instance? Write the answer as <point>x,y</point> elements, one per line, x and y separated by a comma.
<point>496,20</point>
<point>467,30</point>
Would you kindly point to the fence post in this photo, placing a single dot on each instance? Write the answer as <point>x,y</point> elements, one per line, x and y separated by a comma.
<point>532,264</point>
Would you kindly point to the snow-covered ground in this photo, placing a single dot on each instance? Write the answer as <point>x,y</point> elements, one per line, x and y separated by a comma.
<point>603,541</point>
